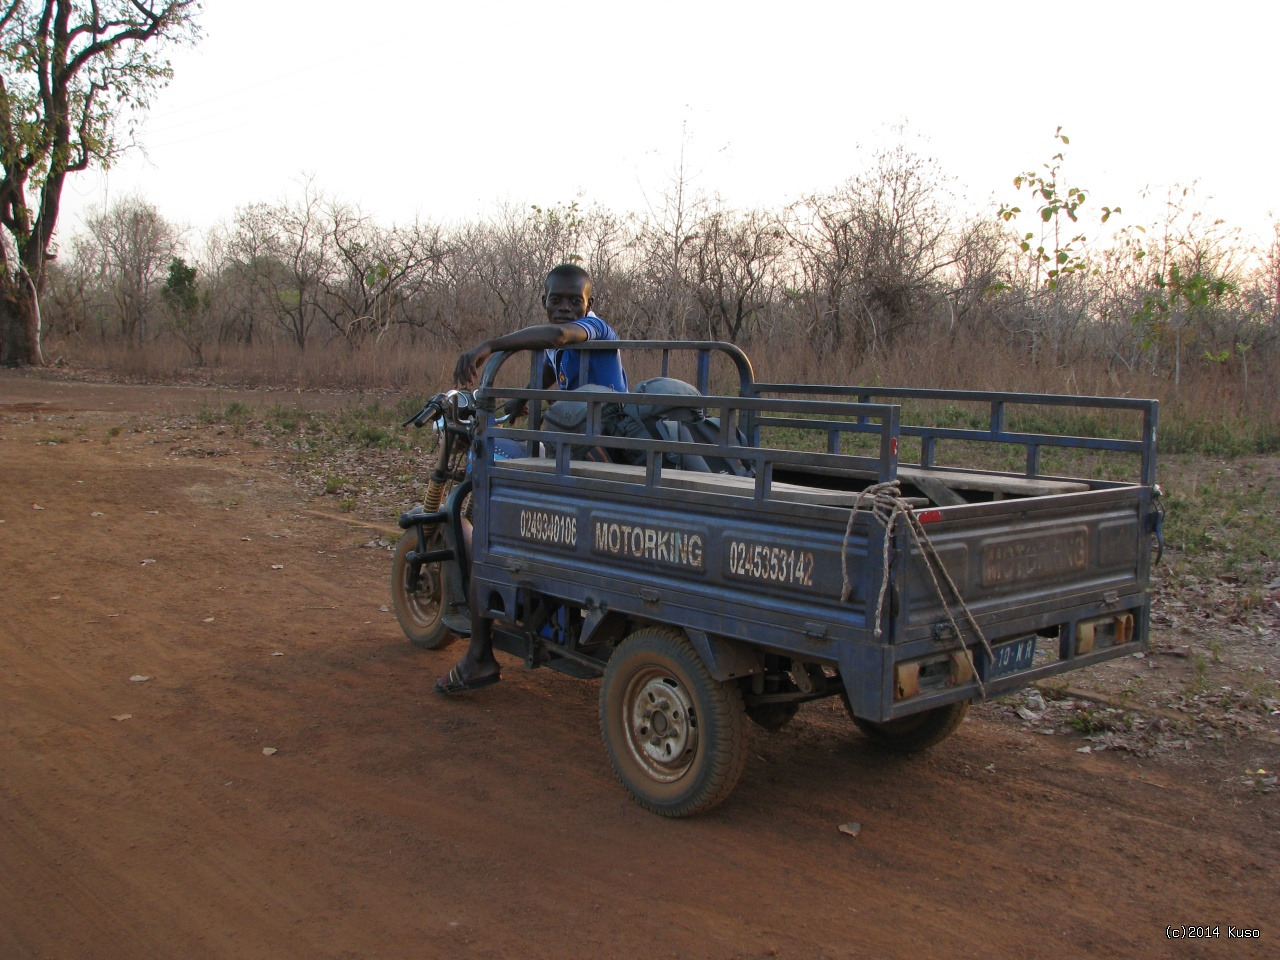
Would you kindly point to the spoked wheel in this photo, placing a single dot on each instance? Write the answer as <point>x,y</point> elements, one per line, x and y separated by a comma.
<point>915,733</point>
<point>419,600</point>
<point>675,735</point>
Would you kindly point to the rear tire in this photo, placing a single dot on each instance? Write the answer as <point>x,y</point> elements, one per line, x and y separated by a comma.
<point>419,601</point>
<point>675,736</point>
<point>917,732</point>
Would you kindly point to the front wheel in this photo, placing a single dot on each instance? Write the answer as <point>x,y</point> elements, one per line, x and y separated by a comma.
<point>675,735</point>
<point>917,732</point>
<point>418,599</point>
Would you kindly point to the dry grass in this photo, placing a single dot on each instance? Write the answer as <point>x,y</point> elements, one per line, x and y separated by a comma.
<point>322,366</point>
<point>1209,412</point>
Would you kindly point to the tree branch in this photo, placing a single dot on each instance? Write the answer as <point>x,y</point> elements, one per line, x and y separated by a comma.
<point>8,14</point>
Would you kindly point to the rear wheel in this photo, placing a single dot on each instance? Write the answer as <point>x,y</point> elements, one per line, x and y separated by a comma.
<point>917,732</point>
<point>418,599</point>
<point>675,736</point>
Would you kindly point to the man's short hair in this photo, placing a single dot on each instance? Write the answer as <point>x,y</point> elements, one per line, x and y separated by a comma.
<point>570,271</point>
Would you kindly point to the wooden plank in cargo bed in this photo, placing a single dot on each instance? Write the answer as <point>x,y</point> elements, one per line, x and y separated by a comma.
<point>696,480</point>
<point>998,484</point>
<point>938,485</point>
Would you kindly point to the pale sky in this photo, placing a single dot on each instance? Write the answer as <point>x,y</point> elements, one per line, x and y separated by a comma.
<point>444,110</point>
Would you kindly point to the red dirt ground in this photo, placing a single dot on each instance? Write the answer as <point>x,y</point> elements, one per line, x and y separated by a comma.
<point>142,819</point>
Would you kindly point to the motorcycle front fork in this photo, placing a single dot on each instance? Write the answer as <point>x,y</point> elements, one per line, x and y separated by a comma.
<point>453,555</point>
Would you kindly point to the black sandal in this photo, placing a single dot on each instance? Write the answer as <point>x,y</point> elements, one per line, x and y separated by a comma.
<point>453,683</point>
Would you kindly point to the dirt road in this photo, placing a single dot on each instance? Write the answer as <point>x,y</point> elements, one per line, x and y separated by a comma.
<point>148,818</point>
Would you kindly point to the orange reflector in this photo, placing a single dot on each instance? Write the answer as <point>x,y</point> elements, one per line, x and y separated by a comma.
<point>906,680</point>
<point>1124,628</point>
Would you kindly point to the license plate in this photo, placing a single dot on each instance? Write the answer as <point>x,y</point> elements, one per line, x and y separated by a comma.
<point>1010,658</point>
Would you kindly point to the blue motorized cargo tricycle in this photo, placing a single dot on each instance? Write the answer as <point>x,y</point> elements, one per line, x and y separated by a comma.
<point>825,565</point>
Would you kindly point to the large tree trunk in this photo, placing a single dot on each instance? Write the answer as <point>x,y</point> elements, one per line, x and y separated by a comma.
<point>19,324</point>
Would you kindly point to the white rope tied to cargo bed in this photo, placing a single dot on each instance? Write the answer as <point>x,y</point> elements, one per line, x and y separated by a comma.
<point>885,502</point>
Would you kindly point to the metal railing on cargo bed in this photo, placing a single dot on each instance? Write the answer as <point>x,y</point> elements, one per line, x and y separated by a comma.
<point>821,420</point>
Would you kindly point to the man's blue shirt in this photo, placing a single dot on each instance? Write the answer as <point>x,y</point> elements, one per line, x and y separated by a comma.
<point>601,367</point>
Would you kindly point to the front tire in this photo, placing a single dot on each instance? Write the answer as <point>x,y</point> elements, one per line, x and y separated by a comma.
<point>917,732</point>
<point>419,601</point>
<point>675,736</point>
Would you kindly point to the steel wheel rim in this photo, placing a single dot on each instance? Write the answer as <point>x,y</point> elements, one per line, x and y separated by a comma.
<point>661,725</point>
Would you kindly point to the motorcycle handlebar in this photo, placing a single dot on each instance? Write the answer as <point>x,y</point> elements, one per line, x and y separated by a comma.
<point>430,412</point>
<point>461,402</point>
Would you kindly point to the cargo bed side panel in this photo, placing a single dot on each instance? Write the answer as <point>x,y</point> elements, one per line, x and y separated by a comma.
<point>750,574</point>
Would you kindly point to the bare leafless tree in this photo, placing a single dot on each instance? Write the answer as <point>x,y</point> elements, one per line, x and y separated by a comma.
<point>128,247</point>
<point>873,252</point>
<point>731,261</point>
<point>286,252</point>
